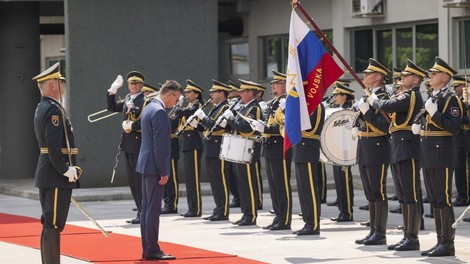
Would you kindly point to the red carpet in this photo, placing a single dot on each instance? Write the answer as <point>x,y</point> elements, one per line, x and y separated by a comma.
<point>90,245</point>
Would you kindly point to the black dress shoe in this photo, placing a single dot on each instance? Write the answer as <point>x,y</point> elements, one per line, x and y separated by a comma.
<point>375,239</point>
<point>218,218</point>
<point>279,226</point>
<point>393,198</point>
<point>396,210</point>
<point>410,244</point>
<point>246,223</point>
<point>425,252</point>
<point>365,223</point>
<point>238,221</point>
<point>208,217</point>
<point>443,250</point>
<point>460,203</point>
<point>335,203</point>
<point>234,204</point>
<point>167,210</point>
<point>429,215</point>
<point>364,207</point>
<point>467,219</point>
<point>341,218</point>
<point>393,246</point>
<point>307,231</point>
<point>190,214</point>
<point>272,211</point>
<point>426,200</point>
<point>268,226</point>
<point>134,221</point>
<point>159,256</point>
<point>134,209</point>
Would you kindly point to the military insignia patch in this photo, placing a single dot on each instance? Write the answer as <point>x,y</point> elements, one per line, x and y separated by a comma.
<point>454,111</point>
<point>55,120</point>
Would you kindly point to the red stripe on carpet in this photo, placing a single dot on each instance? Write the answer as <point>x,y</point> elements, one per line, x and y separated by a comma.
<point>90,245</point>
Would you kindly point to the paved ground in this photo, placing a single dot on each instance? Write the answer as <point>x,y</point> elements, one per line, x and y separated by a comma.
<point>334,245</point>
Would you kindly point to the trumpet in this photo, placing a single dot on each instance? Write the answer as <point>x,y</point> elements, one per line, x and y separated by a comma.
<point>191,119</point>
<point>93,117</point>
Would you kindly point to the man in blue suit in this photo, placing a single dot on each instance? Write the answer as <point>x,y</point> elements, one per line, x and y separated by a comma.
<point>153,164</point>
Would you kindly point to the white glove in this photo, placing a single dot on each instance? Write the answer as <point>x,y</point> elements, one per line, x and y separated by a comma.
<point>193,122</point>
<point>130,104</point>
<point>257,126</point>
<point>71,173</point>
<point>355,131</point>
<point>416,128</point>
<point>282,103</point>
<point>222,121</point>
<point>200,113</point>
<point>363,106</point>
<point>263,105</point>
<point>116,85</point>
<point>227,114</point>
<point>431,107</point>
<point>180,101</point>
<point>372,98</point>
<point>127,126</point>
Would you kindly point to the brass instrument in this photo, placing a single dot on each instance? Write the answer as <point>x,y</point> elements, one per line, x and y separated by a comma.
<point>186,124</point>
<point>93,117</point>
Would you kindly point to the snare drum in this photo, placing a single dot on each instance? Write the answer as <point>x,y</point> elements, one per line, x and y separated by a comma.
<point>338,145</point>
<point>236,148</point>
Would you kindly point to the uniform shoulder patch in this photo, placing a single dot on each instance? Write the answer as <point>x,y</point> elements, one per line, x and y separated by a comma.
<point>454,111</point>
<point>55,120</point>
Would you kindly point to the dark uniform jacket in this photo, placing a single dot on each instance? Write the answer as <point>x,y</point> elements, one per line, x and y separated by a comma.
<point>175,140</point>
<point>241,127</point>
<point>190,137</point>
<point>274,146</point>
<point>308,150</point>
<point>373,145</point>
<point>403,107</point>
<point>437,146</point>
<point>54,160</point>
<point>130,141</point>
<point>462,140</point>
<point>214,142</point>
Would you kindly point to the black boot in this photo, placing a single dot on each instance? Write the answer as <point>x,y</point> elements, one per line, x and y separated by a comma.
<point>381,214</point>
<point>372,224</point>
<point>414,223</point>
<point>438,223</point>
<point>446,248</point>
<point>404,209</point>
<point>50,246</point>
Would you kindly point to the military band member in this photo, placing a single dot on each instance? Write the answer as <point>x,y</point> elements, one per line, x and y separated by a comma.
<point>246,173</point>
<point>373,154</point>
<point>55,175</point>
<point>233,98</point>
<point>149,90</point>
<point>132,107</point>
<point>278,167</point>
<point>441,121</point>
<point>462,148</point>
<point>215,166</point>
<point>344,98</point>
<point>404,147</point>
<point>191,147</point>
<point>306,155</point>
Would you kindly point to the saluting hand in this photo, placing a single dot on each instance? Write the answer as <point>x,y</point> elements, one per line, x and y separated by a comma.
<point>163,180</point>
<point>116,85</point>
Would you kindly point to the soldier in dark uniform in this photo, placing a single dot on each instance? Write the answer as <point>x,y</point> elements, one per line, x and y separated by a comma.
<point>264,106</point>
<point>306,155</point>
<point>233,101</point>
<point>191,147</point>
<point>405,152</point>
<point>56,172</point>
<point>373,154</point>
<point>439,124</point>
<point>216,167</point>
<point>462,149</point>
<point>278,167</point>
<point>344,98</point>
<point>246,173</point>
<point>132,107</point>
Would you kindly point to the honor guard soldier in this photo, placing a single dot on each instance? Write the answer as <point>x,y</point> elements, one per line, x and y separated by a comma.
<point>462,148</point>
<point>246,173</point>
<point>215,166</point>
<point>404,147</point>
<point>278,167</point>
<point>191,147</point>
<point>306,155</point>
<point>56,172</point>
<point>439,123</point>
<point>132,107</point>
<point>344,98</point>
<point>373,154</point>
<point>149,91</point>
<point>234,102</point>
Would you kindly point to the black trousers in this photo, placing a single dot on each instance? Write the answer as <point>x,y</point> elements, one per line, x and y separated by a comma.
<point>232,180</point>
<point>407,181</point>
<point>171,194</point>
<point>462,177</point>
<point>248,188</point>
<point>438,182</point>
<point>344,189</point>
<point>322,181</point>
<point>374,180</point>
<point>192,168</point>
<point>220,191</point>
<point>306,174</point>
<point>278,172</point>
<point>135,179</point>
<point>150,216</point>
<point>259,181</point>
<point>55,205</point>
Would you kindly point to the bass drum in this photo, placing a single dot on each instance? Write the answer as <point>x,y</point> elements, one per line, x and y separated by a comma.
<point>338,145</point>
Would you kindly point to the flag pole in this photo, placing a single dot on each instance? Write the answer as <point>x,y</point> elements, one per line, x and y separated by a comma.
<point>296,4</point>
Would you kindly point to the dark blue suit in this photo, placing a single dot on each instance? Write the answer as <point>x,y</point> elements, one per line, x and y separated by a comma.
<point>153,162</point>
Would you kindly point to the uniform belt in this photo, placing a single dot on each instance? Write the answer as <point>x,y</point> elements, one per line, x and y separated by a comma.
<point>371,134</point>
<point>73,151</point>
<point>271,135</point>
<point>440,133</point>
<point>215,133</point>
<point>315,136</point>
<point>465,127</point>
<point>395,129</point>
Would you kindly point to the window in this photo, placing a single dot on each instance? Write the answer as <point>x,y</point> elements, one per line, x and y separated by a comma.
<point>395,45</point>
<point>464,50</point>
<point>240,59</point>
